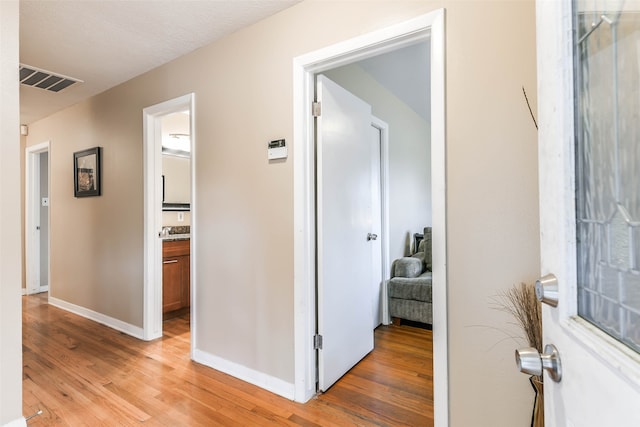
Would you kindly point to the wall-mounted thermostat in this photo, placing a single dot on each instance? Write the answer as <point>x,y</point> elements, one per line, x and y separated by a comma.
<point>277,149</point>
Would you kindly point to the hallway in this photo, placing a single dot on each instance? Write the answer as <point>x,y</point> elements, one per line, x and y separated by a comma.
<point>79,372</point>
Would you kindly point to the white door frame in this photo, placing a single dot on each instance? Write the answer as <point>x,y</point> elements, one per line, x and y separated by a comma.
<point>383,128</point>
<point>32,217</point>
<point>152,118</point>
<point>425,27</point>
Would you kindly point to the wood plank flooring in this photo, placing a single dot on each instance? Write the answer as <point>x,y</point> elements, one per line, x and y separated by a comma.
<point>81,373</point>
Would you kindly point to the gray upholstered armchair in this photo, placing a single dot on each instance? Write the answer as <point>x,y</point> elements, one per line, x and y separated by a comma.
<point>409,289</point>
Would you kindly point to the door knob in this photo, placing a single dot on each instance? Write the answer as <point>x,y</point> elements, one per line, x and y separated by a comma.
<point>531,362</point>
<point>371,236</point>
<point>547,289</point>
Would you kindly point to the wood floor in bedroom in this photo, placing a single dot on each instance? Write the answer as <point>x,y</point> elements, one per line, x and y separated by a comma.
<point>81,373</point>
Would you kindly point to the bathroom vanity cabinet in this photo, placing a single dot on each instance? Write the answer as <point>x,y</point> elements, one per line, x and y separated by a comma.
<point>175,275</point>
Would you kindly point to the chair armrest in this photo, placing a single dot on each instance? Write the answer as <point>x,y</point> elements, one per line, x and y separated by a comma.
<point>407,267</point>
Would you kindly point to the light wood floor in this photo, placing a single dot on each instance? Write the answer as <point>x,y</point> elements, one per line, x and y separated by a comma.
<point>80,373</point>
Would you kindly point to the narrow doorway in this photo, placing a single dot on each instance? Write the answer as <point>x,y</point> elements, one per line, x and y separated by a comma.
<point>394,86</point>
<point>397,86</point>
<point>37,219</point>
<point>176,217</point>
<point>169,219</point>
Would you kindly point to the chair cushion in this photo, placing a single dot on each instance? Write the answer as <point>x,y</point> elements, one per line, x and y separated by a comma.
<point>421,257</point>
<point>408,267</point>
<point>417,288</point>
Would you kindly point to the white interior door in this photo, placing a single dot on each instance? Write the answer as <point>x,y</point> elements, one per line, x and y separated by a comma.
<point>344,205</point>
<point>590,210</point>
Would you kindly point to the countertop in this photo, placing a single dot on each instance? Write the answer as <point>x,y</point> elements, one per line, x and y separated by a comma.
<point>174,237</point>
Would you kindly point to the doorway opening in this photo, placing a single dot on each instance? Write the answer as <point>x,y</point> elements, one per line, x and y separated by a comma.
<point>428,28</point>
<point>37,218</point>
<point>169,148</point>
<point>353,271</point>
<point>176,215</point>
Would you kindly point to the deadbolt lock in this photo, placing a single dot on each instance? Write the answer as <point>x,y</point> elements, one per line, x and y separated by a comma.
<point>547,289</point>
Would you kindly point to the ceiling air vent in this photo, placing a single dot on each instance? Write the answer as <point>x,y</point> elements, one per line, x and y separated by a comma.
<point>37,77</point>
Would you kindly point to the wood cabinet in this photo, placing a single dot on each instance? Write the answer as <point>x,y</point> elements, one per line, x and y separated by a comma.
<point>175,275</point>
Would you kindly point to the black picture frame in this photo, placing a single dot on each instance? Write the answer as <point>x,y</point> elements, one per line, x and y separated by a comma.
<point>87,175</point>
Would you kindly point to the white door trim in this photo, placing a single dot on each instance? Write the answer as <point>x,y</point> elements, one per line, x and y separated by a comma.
<point>383,127</point>
<point>32,217</point>
<point>151,116</point>
<point>430,26</point>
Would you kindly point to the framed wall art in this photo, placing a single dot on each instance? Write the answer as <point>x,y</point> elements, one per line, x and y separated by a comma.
<point>87,177</point>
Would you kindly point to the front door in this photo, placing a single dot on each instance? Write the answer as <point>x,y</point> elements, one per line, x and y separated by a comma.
<point>344,206</point>
<point>589,164</point>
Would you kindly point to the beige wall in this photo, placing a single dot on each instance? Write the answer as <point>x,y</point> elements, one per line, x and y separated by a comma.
<point>96,242</point>
<point>170,218</point>
<point>492,202</point>
<point>10,243</point>
<point>243,94</point>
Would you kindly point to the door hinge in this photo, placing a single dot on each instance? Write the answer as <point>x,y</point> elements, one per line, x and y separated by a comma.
<point>316,109</point>
<point>317,342</point>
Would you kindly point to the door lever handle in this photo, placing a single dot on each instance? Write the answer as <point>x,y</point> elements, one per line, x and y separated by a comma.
<point>371,236</point>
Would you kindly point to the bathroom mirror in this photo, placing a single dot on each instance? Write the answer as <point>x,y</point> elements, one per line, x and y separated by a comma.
<point>176,163</point>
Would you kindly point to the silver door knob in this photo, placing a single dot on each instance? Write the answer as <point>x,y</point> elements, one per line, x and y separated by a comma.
<point>371,236</point>
<point>547,289</point>
<point>531,362</point>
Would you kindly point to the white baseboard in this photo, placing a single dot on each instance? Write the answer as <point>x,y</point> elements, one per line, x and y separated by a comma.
<point>260,379</point>
<point>20,422</point>
<point>111,322</point>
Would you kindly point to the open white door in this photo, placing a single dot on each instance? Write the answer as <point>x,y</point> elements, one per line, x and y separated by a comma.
<point>344,223</point>
<point>589,166</point>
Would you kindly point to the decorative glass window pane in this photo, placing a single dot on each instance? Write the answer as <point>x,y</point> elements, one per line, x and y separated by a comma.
<point>607,92</point>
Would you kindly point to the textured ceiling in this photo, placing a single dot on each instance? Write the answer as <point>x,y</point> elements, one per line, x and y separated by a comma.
<point>105,43</point>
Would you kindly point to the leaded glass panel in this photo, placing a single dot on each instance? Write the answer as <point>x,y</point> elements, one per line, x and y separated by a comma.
<point>607,75</point>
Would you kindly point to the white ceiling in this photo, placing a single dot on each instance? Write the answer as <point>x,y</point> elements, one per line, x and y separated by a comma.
<point>105,43</point>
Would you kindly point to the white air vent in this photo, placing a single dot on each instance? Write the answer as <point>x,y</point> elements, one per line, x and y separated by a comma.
<point>37,77</point>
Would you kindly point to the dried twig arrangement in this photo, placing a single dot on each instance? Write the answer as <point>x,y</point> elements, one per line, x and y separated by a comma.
<point>520,302</point>
<point>535,123</point>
